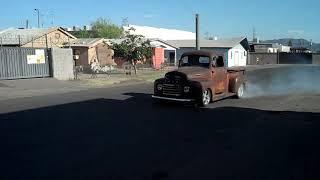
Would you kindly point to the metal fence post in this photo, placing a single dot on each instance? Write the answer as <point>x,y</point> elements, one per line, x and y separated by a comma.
<point>19,40</point>
<point>1,42</point>
<point>32,42</point>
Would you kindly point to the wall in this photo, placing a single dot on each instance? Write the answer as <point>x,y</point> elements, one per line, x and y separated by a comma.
<point>55,39</point>
<point>262,58</point>
<point>101,52</point>
<point>295,58</point>
<point>62,64</point>
<point>92,55</point>
<point>158,57</point>
<point>83,56</point>
<point>105,55</point>
<point>281,58</point>
<point>316,58</point>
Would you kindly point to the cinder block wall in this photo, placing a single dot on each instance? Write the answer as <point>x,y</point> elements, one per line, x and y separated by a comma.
<point>62,64</point>
<point>316,58</point>
<point>262,58</point>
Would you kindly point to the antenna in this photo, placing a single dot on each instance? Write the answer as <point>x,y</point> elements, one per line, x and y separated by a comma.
<point>254,35</point>
<point>27,24</point>
<point>52,18</point>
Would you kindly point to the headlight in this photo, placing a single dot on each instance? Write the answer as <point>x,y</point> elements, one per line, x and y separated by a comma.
<point>186,89</point>
<point>159,87</point>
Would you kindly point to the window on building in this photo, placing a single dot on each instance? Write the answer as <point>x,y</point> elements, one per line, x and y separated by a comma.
<point>231,55</point>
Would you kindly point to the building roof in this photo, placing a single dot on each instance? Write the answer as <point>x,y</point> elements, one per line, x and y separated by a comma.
<point>160,33</point>
<point>221,43</point>
<point>13,36</point>
<point>116,41</point>
<point>86,42</point>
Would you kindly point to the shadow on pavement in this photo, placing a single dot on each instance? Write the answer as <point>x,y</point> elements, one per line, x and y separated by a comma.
<point>132,139</point>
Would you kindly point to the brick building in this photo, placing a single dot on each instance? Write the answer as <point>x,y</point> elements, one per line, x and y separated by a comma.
<point>88,50</point>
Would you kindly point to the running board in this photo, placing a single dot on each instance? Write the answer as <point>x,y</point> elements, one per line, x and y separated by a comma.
<point>218,97</point>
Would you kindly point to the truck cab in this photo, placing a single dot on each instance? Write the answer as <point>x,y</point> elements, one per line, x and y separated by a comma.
<point>200,78</point>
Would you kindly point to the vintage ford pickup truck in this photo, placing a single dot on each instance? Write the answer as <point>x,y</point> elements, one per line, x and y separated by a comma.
<point>201,78</point>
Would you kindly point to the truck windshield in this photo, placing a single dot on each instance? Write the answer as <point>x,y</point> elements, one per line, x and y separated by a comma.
<point>203,61</point>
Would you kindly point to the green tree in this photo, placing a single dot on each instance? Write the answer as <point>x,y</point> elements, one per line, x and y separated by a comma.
<point>103,28</point>
<point>133,48</point>
<point>83,34</point>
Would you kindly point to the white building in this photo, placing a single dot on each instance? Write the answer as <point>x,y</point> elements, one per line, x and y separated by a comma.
<point>235,50</point>
<point>282,48</point>
<point>269,47</point>
<point>160,33</point>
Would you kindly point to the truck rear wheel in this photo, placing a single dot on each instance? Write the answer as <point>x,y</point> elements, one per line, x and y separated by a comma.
<point>240,91</point>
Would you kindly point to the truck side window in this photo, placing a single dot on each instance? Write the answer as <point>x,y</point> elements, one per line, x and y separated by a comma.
<point>220,62</point>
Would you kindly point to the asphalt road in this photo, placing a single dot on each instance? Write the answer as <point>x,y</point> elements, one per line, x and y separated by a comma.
<point>117,133</point>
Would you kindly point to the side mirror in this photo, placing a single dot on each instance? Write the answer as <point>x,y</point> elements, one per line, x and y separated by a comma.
<point>213,63</point>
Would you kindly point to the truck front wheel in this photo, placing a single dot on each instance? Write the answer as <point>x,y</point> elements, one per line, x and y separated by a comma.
<point>206,97</point>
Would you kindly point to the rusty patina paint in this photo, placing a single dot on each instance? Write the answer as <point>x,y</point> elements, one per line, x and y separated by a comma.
<point>221,81</point>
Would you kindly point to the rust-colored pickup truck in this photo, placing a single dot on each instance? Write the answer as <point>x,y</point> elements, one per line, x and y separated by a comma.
<point>201,78</point>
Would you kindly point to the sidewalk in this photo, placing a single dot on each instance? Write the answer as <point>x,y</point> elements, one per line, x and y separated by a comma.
<point>21,88</point>
<point>102,80</point>
<point>12,89</point>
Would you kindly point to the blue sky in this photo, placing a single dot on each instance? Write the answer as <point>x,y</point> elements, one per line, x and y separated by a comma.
<point>230,18</point>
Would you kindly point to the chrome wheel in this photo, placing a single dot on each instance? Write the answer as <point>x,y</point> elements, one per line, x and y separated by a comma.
<point>240,92</point>
<point>206,97</point>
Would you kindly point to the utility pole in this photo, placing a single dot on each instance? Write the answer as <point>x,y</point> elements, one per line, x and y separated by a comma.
<point>38,11</point>
<point>197,32</point>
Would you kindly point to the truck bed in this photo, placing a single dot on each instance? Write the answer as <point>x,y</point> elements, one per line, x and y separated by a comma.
<point>236,69</point>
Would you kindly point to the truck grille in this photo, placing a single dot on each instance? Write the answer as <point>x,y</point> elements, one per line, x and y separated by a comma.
<point>172,89</point>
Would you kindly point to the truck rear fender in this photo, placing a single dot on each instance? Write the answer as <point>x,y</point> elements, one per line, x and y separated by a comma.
<point>235,80</point>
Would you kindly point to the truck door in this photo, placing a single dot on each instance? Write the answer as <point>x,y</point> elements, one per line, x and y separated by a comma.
<point>220,76</point>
